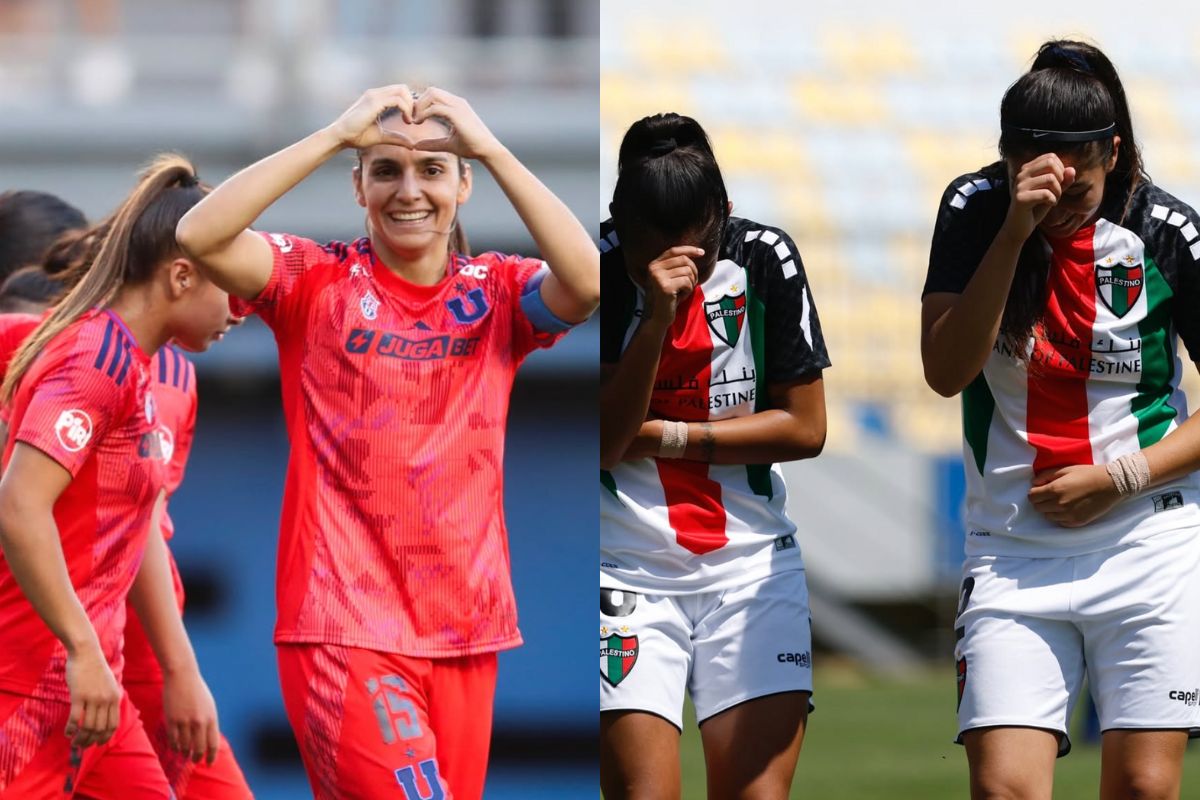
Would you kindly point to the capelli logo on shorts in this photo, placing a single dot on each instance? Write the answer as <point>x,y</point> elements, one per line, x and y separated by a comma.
<point>799,659</point>
<point>1187,698</point>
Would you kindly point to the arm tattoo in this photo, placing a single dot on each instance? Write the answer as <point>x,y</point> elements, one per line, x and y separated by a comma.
<point>708,442</point>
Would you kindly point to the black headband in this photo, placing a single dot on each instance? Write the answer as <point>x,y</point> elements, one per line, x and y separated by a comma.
<point>1039,135</point>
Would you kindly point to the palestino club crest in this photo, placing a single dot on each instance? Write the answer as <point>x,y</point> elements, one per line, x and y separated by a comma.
<point>1119,283</point>
<point>618,654</point>
<point>73,429</point>
<point>726,315</point>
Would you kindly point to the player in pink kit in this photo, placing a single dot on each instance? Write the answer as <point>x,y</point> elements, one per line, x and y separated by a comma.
<point>397,355</point>
<point>83,474</point>
<point>174,380</point>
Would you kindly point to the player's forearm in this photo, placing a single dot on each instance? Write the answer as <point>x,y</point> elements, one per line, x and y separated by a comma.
<point>767,437</point>
<point>214,222</point>
<point>153,598</point>
<point>564,243</point>
<point>30,541</point>
<point>625,393</point>
<point>1175,455</point>
<point>955,347</point>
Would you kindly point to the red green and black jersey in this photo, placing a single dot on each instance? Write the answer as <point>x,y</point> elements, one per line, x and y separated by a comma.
<point>1098,379</point>
<point>672,525</point>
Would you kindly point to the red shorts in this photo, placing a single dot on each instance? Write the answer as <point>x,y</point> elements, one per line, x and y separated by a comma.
<point>38,762</point>
<point>223,780</point>
<point>368,721</point>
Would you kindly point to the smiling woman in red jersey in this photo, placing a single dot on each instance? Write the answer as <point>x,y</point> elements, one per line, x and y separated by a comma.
<point>397,356</point>
<point>82,483</point>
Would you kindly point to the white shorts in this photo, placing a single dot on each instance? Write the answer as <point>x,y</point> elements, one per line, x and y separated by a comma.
<point>723,648</point>
<point>1128,618</point>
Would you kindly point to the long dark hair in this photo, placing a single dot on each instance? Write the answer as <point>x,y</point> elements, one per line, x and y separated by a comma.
<point>29,223</point>
<point>1071,86</point>
<point>30,285</point>
<point>139,235</point>
<point>668,182</point>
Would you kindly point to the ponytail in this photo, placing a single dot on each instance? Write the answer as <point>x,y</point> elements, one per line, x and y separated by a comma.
<point>138,236</point>
<point>1072,86</point>
<point>458,240</point>
<point>668,181</point>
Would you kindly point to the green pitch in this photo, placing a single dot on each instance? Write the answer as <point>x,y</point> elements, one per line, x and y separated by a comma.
<point>871,738</point>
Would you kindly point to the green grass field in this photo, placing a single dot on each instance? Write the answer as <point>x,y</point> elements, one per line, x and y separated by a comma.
<point>881,739</point>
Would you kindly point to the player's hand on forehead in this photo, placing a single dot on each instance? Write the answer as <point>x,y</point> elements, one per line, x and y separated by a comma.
<point>359,127</point>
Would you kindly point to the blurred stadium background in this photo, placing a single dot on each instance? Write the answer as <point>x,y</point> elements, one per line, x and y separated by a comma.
<point>843,123</point>
<point>91,89</point>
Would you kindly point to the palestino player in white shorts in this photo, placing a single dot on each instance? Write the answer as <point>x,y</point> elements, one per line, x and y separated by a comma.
<point>1059,279</point>
<point>712,357</point>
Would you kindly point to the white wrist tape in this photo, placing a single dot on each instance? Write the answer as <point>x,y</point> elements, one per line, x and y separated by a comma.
<point>674,440</point>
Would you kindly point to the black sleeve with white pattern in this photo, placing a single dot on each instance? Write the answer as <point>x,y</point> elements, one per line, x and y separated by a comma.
<point>617,293</point>
<point>1170,230</point>
<point>969,217</point>
<point>795,344</point>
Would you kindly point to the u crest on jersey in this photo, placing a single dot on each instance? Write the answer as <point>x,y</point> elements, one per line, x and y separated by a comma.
<point>479,307</point>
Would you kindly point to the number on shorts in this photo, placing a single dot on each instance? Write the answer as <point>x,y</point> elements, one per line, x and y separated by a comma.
<point>397,716</point>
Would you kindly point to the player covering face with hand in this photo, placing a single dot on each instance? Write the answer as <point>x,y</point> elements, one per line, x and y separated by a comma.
<point>397,355</point>
<point>1059,278</point>
<point>711,372</point>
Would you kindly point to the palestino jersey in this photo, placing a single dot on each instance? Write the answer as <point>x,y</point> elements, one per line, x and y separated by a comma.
<point>392,532</point>
<point>675,526</point>
<point>174,380</point>
<point>1098,379</point>
<point>86,402</point>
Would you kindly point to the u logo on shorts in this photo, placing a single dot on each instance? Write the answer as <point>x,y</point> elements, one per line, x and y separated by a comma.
<point>407,778</point>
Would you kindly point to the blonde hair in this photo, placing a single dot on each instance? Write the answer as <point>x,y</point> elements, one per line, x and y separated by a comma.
<point>139,235</point>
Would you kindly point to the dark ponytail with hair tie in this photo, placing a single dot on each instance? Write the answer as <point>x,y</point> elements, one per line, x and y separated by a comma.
<point>668,182</point>
<point>663,146</point>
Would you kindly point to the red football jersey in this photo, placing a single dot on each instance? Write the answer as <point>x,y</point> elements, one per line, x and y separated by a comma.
<point>86,402</point>
<point>392,534</point>
<point>13,330</point>
<point>174,379</point>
